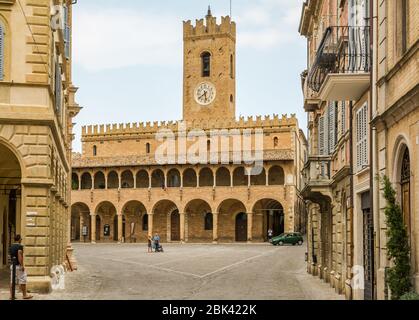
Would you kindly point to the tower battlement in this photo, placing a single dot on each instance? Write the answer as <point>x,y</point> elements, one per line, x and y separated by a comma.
<point>250,122</point>
<point>209,26</point>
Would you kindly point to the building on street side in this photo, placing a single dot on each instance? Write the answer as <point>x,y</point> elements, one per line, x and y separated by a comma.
<point>361,126</point>
<point>37,102</point>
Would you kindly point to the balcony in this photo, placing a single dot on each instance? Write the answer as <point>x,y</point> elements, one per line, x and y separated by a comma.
<point>341,69</point>
<point>317,178</point>
<point>311,98</point>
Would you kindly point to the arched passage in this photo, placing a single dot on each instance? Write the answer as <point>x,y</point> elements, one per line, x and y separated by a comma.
<point>157,179</point>
<point>113,180</point>
<point>239,177</point>
<point>189,178</point>
<point>267,214</point>
<point>259,179</point>
<point>162,223</point>
<point>196,214</point>
<point>227,212</point>
<point>86,181</point>
<point>173,178</point>
<point>127,179</point>
<point>276,176</point>
<point>75,183</point>
<point>206,178</point>
<point>134,212</point>
<point>107,212</point>
<point>223,178</point>
<point>10,199</point>
<point>142,179</point>
<point>100,182</point>
<point>80,219</point>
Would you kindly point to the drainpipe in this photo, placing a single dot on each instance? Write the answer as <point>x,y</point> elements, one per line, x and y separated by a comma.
<point>351,165</point>
<point>372,138</point>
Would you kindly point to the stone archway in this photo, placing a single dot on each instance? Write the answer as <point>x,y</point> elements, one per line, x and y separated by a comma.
<point>227,213</point>
<point>268,214</point>
<point>196,229</point>
<point>135,230</point>
<point>10,199</point>
<point>106,231</point>
<point>162,223</point>
<point>80,222</point>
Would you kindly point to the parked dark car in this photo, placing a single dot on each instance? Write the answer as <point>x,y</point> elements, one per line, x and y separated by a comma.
<point>288,238</point>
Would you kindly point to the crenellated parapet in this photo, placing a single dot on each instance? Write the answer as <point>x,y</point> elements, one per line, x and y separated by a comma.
<point>209,27</point>
<point>251,122</point>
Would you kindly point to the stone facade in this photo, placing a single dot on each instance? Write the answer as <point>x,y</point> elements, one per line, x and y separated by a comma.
<point>375,94</point>
<point>37,106</point>
<point>123,192</point>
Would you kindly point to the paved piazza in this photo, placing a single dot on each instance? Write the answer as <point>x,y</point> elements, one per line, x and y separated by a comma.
<point>230,271</point>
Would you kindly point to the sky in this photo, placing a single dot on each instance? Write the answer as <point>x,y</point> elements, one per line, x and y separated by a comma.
<point>125,53</point>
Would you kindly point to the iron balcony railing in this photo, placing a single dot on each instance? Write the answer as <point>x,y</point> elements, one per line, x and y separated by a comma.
<point>343,50</point>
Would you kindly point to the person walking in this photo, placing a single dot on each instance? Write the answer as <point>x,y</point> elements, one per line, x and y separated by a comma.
<point>150,245</point>
<point>156,239</point>
<point>16,254</point>
<point>270,234</point>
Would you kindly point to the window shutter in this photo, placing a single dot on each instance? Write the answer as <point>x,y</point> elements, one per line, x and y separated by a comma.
<point>343,118</point>
<point>1,52</point>
<point>321,135</point>
<point>66,32</point>
<point>58,87</point>
<point>362,137</point>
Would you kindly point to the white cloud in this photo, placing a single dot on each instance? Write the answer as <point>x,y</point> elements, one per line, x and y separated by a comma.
<point>109,39</point>
<point>106,38</point>
<point>268,23</point>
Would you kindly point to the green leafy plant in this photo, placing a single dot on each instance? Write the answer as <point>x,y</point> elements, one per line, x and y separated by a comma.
<point>398,251</point>
<point>410,296</point>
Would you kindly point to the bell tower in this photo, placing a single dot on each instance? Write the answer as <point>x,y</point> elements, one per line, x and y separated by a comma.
<point>209,69</point>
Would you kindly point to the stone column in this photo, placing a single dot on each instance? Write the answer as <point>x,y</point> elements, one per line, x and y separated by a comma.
<point>249,227</point>
<point>135,179</point>
<point>81,227</point>
<point>215,227</point>
<point>150,225</point>
<point>120,228</point>
<point>93,228</point>
<point>182,227</point>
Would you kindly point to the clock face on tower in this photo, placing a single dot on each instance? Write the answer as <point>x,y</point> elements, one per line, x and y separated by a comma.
<point>205,93</point>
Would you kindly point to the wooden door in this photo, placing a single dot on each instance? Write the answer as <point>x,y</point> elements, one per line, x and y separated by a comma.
<point>241,227</point>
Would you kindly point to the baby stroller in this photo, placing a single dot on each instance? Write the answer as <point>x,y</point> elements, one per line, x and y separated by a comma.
<point>159,247</point>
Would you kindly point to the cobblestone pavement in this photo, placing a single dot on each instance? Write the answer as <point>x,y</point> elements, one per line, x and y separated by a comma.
<point>230,271</point>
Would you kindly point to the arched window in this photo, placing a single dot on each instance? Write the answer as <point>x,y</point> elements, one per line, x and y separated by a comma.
<point>2,32</point>
<point>206,64</point>
<point>231,98</point>
<point>94,151</point>
<point>276,142</point>
<point>147,148</point>
<point>208,221</point>
<point>145,222</point>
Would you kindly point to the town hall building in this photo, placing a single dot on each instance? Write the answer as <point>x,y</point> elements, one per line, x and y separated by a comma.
<point>137,179</point>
